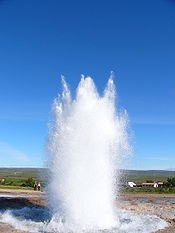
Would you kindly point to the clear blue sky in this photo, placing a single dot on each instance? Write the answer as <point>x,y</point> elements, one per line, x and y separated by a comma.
<point>40,40</point>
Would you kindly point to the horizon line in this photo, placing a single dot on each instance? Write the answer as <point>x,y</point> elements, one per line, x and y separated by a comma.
<point>169,169</point>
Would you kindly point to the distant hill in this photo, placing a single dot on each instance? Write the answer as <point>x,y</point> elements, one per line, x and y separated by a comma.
<point>165,173</point>
<point>33,172</point>
<point>137,176</point>
<point>21,172</point>
<point>140,176</point>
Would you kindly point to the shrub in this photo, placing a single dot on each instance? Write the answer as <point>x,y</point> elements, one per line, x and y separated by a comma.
<point>170,182</point>
<point>29,182</point>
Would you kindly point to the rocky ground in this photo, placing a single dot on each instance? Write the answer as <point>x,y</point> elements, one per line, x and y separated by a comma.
<point>154,204</point>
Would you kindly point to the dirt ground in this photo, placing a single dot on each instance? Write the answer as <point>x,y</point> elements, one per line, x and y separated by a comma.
<point>154,204</point>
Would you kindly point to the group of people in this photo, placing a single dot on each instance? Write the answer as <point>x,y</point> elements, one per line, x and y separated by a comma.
<point>37,186</point>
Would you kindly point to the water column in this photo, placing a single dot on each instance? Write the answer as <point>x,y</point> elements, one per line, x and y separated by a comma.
<point>87,138</point>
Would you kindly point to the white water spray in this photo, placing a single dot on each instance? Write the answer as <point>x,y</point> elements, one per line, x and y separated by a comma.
<point>87,139</point>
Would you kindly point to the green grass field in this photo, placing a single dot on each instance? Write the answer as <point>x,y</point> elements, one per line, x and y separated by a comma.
<point>149,190</point>
<point>20,172</point>
<point>140,177</point>
<point>23,178</point>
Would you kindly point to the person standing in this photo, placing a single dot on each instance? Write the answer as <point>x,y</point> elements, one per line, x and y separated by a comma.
<point>39,186</point>
<point>35,186</point>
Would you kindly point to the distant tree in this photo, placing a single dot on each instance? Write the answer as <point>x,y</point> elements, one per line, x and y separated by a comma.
<point>30,182</point>
<point>170,182</point>
<point>150,181</point>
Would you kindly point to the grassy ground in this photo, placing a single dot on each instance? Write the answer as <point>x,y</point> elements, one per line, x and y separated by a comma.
<point>20,172</point>
<point>162,190</point>
<point>140,177</point>
<point>17,178</point>
<point>21,178</point>
<point>14,187</point>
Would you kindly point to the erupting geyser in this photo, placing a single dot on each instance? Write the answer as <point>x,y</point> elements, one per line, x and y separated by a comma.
<point>86,143</point>
<point>87,139</point>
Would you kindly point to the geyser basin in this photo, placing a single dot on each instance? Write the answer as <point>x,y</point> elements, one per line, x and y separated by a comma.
<point>36,220</point>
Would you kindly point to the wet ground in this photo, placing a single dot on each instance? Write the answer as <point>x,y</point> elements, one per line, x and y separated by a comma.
<point>18,199</point>
<point>161,205</point>
<point>154,204</point>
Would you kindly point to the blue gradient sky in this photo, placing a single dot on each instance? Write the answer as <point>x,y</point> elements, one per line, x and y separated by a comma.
<point>40,40</point>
